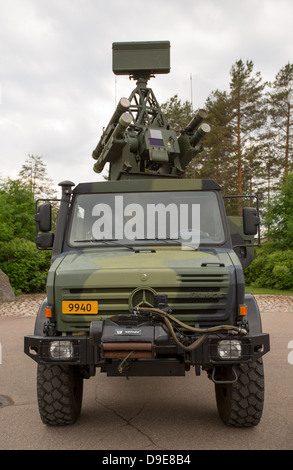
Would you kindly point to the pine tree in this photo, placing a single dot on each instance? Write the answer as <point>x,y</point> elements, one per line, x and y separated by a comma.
<point>215,161</point>
<point>279,218</point>
<point>248,116</point>
<point>177,114</point>
<point>269,170</point>
<point>280,101</point>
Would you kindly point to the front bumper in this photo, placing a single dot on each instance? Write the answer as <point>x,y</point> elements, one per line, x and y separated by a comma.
<point>148,349</point>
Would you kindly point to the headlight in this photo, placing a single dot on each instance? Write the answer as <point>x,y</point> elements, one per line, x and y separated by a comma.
<point>229,349</point>
<point>61,350</point>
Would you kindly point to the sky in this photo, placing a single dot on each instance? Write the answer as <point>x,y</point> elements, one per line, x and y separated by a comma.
<point>57,88</point>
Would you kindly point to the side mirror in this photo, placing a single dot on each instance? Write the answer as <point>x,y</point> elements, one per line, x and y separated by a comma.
<point>251,221</point>
<point>43,217</point>
<point>44,240</point>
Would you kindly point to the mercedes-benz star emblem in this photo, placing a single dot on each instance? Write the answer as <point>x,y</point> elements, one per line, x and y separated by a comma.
<point>142,297</point>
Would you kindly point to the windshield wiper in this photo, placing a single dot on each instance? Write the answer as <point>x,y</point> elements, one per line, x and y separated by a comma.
<point>104,240</point>
<point>117,243</point>
<point>169,241</point>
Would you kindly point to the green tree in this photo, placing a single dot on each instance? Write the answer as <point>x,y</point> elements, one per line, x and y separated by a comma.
<point>177,114</point>
<point>251,132</point>
<point>16,211</point>
<point>34,174</point>
<point>25,266</point>
<point>280,103</point>
<point>279,218</point>
<point>248,116</point>
<point>215,161</point>
<point>268,170</point>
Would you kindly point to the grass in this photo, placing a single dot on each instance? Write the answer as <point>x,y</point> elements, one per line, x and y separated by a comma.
<point>266,291</point>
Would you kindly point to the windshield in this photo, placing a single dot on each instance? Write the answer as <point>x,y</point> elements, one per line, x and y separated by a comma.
<point>178,217</point>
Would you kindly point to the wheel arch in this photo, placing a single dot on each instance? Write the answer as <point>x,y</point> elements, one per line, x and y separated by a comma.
<point>253,314</point>
<point>41,319</point>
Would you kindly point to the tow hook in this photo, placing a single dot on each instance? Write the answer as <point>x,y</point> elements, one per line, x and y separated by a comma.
<point>232,380</point>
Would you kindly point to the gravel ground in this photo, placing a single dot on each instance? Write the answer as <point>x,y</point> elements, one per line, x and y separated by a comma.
<point>28,305</point>
<point>24,306</point>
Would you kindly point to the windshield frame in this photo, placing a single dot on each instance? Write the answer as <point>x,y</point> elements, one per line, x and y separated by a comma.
<point>149,242</point>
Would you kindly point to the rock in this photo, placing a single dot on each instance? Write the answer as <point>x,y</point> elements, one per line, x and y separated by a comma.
<point>6,291</point>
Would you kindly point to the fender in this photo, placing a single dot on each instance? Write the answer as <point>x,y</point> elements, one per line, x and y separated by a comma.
<point>253,314</point>
<point>41,319</point>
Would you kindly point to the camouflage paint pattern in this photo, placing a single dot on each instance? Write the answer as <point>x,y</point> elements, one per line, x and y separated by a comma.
<point>200,285</point>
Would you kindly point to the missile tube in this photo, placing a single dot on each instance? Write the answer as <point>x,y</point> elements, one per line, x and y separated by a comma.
<point>199,116</point>
<point>200,133</point>
<point>122,107</point>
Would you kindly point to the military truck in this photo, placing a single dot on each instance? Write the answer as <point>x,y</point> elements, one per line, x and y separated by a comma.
<point>146,277</point>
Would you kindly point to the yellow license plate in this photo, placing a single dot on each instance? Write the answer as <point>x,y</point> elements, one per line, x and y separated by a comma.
<point>83,307</point>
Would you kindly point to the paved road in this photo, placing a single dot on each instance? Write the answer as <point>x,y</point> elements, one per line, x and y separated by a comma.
<point>145,413</point>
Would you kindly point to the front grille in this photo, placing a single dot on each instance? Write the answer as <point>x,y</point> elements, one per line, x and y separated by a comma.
<point>195,297</point>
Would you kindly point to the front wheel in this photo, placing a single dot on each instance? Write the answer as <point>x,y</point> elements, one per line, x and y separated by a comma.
<point>59,389</point>
<point>240,403</point>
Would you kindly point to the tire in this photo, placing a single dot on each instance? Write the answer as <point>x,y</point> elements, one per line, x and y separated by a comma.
<point>240,404</point>
<point>59,390</point>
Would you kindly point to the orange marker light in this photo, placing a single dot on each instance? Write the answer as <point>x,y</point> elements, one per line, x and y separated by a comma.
<point>242,310</point>
<point>48,312</point>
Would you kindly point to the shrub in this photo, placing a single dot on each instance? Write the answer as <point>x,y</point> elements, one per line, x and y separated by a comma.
<point>271,269</point>
<point>282,276</point>
<point>25,265</point>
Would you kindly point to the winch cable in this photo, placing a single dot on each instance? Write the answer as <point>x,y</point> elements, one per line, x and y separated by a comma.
<point>167,317</point>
